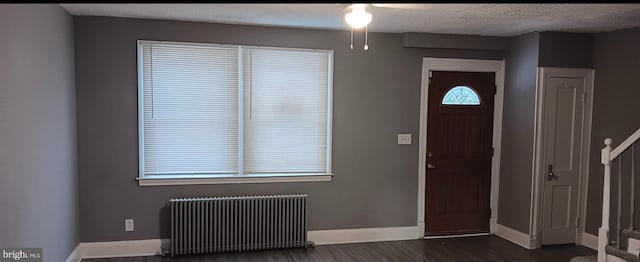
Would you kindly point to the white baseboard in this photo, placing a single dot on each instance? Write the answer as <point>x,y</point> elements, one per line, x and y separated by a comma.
<point>150,247</point>
<point>589,240</point>
<point>360,235</point>
<point>457,236</point>
<point>514,236</point>
<point>493,223</point>
<point>75,255</point>
<point>129,248</point>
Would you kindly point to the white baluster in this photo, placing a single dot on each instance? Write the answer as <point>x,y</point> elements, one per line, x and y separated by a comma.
<point>603,234</point>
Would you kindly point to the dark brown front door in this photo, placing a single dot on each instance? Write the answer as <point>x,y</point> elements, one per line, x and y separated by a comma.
<point>459,152</point>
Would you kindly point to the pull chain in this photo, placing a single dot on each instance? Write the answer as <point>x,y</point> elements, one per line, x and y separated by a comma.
<point>366,42</point>
<point>351,38</point>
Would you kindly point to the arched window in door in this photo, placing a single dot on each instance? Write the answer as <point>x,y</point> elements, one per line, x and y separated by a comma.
<point>461,95</point>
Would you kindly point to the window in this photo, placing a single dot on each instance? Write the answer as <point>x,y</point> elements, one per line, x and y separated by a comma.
<point>461,95</point>
<point>226,113</point>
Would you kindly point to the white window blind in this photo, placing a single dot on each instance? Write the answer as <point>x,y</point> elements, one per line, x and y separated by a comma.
<point>190,109</point>
<point>226,110</point>
<point>285,111</point>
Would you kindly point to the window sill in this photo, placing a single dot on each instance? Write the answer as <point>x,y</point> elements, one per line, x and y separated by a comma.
<point>164,180</point>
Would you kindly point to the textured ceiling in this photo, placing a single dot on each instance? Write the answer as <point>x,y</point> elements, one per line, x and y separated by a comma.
<point>476,19</point>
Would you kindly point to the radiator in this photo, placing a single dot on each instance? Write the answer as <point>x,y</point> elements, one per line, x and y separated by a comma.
<point>222,224</point>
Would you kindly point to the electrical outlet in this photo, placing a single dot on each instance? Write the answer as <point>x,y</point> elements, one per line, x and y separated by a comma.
<point>128,224</point>
<point>404,139</point>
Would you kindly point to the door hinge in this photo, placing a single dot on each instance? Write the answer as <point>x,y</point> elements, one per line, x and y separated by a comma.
<point>584,97</point>
<point>493,150</point>
<point>495,89</point>
<point>577,221</point>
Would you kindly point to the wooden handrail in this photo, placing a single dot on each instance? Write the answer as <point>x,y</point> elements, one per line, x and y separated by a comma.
<point>625,144</point>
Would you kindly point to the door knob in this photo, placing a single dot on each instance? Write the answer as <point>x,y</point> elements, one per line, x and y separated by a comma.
<point>550,174</point>
<point>430,166</point>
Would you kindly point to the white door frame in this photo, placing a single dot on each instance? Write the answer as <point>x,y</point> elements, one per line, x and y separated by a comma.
<point>537,186</point>
<point>461,65</point>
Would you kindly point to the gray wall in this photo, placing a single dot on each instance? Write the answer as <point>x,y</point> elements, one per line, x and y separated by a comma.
<point>526,53</point>
<point>563,49</point>
<point>473,42</point>
<point>38,181</point>
<point>376,96</point>
<point>517,132</point>
<point>616,59</point>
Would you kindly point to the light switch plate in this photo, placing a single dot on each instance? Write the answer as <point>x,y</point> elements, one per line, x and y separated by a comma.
<point>404,139</point>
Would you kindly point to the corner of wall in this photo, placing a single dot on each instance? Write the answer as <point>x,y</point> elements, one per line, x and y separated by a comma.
<point>515,236</point>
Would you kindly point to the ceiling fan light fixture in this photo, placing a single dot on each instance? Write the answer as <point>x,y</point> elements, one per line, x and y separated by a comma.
<point>358,18</point>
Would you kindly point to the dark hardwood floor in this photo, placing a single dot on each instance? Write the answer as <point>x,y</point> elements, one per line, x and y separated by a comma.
<point>483,248</point>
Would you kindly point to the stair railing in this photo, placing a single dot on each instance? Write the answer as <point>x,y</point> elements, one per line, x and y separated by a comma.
<point>607,157</point>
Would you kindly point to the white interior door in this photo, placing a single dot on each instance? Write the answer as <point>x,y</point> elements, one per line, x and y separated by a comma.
<point>564,107</point>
